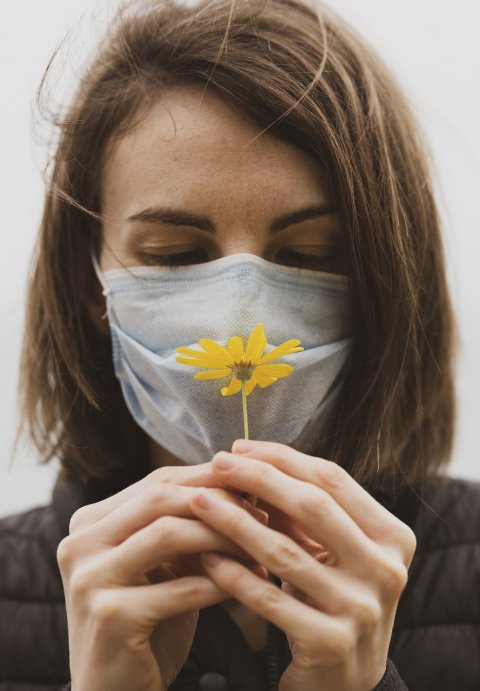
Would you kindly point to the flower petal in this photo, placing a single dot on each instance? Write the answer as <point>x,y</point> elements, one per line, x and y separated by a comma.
<point>283,349</point>
<point>234,387</point>
<point>235,348</point>
<point>251,384</point>
<point>216,350</point>
<point>276,371</point>
<point>197,355</point>
<point>263,380</point>
<point>256,344</point>
<point>189,351</point>
<point>211,363</point>
<point>213,374</point>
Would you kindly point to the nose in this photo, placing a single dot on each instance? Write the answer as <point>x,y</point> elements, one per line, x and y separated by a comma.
<point>242,240</point>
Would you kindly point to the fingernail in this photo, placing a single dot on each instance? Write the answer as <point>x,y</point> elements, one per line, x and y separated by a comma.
<point>243,446</point>
<point>224,462</point>
<point>261,571</point>
<point>211,558</point>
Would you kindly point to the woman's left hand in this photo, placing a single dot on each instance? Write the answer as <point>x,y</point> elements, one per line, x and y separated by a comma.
<point>337,607</point>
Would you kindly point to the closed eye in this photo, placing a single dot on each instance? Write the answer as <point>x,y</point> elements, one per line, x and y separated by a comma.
<point>194,256</point>
<point>323,259</point>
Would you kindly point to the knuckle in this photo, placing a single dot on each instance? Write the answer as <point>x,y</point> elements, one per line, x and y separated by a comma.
<point>281,555</point>
<point>308,658</point>
<point>80,584</point>
<point>341,644</point>
<point>409,543</point>
<point>268,600</point>
<point>366,613</point>
<point>402,541</point>
<point>393,577</point>
<point>332,476</point>
<point>166,528</point>
<point>156,495</point>
<point>105,610</point>
<point>263,475</point>
<point>190,588</point>
<point>65,553</point>
<point>81,518</point>
<point>284,451</point>
<point>163,474</point>
<point>315,502</point>
<point>337,646</point>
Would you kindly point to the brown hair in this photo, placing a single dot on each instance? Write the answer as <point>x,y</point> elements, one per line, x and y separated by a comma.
<point>304,74</point>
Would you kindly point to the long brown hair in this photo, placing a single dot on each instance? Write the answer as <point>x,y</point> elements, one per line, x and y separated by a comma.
<point>303,74</point>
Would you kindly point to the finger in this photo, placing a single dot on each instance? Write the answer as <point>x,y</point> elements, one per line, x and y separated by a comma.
<point>278,520</point>
<point>192,565</point>
<point>325,520</point>
<point>141,510</point>
<point>299,621</point>
<point>164,540</point>
<point>326,586</point>
<point>145,605</point>
<point>373,518</point>
<point>189,476</point>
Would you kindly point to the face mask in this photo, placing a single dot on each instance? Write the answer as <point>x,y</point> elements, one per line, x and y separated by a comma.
<point>153,310</point>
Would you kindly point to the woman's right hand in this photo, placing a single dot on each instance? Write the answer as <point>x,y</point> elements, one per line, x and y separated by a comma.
<point>134,583</point>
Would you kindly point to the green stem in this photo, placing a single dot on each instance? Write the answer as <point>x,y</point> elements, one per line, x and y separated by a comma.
<point>244,405</point>
<point>249,497</point>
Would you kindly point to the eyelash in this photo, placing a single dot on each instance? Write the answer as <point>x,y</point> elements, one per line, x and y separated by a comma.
<point>305,261</point>
<point>298,259</point>
<point>173,259</point>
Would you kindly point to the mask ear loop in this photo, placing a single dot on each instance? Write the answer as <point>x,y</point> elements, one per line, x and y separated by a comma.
<point>98,271</point>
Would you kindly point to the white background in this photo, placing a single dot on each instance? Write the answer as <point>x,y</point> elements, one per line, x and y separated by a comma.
<point>432,47</point>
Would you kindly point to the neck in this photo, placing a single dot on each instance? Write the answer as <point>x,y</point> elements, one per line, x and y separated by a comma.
<point>159,456</point>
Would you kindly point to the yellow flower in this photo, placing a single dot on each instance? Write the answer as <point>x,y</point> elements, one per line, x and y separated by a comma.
<point>247,367</point>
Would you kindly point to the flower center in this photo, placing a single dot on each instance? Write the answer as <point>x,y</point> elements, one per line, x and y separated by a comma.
<point>243,370</point>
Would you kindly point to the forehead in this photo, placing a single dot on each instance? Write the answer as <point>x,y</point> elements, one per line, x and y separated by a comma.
<point>197,140</point>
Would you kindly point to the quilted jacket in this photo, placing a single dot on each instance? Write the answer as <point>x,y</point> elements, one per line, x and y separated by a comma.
<point>435,644</point>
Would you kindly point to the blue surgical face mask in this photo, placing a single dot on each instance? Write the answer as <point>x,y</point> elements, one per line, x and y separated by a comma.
<point>153,310</point>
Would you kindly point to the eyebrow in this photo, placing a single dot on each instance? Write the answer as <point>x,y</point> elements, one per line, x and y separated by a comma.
<point>179,217</point>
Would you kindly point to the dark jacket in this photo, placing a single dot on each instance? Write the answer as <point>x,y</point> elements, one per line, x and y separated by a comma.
<point>435,644</point>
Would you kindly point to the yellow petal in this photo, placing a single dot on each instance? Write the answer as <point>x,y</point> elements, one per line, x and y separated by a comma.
<point>275,371</point>
<point>213,374</point>
<point>189,351</point>
<point>208,359</point>
<point>234,387</point>
<point>211,363</point>
<point>216,350</point>
<point>256,344</point>
<point>235,348</point>
<point>264,380</point>
<point>251,384</point>
<point>281,350</point>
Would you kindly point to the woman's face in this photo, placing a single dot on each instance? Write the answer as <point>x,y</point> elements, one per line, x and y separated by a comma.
<point>191,183</point>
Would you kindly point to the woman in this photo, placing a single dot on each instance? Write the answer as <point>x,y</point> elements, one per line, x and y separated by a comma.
<point>231,177</point>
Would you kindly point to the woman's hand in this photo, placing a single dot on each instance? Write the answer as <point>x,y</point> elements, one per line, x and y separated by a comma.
<point>133,580</point>
<point>342,583</point>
